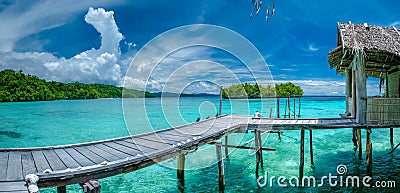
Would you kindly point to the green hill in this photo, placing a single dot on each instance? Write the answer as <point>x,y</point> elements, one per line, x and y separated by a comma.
<point>16,86</point>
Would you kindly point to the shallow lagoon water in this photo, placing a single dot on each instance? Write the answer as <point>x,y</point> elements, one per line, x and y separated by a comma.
<point>33,124</point>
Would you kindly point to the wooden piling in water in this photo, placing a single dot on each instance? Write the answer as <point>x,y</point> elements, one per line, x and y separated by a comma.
<point>391,137</point>
<point>354,139</point>
<point>278,112</point>
<point>368,152</point>
<point>226,148</point>
<point>221,171</point>
<point>301,168</point>
<point>92,186</point>
<point>258,146</point>
<point>289,105</point>
<point>180,170</point>
<point>311,149</point>
<point>359,144</point>
<point>62,189</point>
<point>294,106</point>
<point>299,107</point>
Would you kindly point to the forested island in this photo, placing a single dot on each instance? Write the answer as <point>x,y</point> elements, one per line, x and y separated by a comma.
<point>16,86</point>
<point>240,91</point>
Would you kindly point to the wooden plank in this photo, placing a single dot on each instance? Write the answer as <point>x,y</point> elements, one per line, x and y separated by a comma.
<point>150,143</point>
<point>112,151</point>
<point>105,155</point>
<point>90,155</point>
<point>66,158</point>
<point>19,186</point>
<point>28,164</point>
<point>53,160</point>
<point>40,161</point>
<point>159,139</point>
<point>14,167</point>
<point>78,157</point>
<point>3,165</point>
<point>122,148</point>
<point>142,149</point>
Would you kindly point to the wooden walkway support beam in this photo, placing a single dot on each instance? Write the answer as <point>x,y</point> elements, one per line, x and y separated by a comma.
<point>278,112</point>
<point>391,137</point>
<point>92,186</point>
<point>258,146</point>
<point>226,148</point>
<point>359,144</point>
<point>180,171</point>
<point>354,139</point>
<point>221,171</point>
<point>301,168</point>
<point>368,152</point>
<point>311,149</point>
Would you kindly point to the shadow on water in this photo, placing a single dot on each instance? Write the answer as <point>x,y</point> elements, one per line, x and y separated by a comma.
<point>11,134</point>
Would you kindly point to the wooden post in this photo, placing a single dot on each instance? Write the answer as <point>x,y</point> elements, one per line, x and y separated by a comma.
<point>359,144</point>
<point>354,139</point>
<point>311,149</point>
<point>258,146</point>
<point>92,186</point>
<point>62,189</point>
<point>301,168</point>
<point>220,101</point>
<point>294,106</point>
<point>368,152</point>
<point>361,89</point>
<point>270,113</point>
<point>391,137</point>
<point>299,107</point>
<point>289,105</point>
<point>348,75</point>
<point>180,171</point>
<point>221,172</point>
<point>353,96</point>
<point>279,107</point>
<point>226,148</point>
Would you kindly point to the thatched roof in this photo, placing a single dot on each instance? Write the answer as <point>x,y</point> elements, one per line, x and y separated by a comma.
<point>379,45</point>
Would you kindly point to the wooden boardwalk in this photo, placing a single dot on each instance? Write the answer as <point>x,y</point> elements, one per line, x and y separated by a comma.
<point>77,163</point>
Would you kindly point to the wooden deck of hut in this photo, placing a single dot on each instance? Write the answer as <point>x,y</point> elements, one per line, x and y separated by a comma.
<point>362,51</point>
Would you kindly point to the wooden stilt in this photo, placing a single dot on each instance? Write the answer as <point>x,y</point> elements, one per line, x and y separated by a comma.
<point>270,113</point>
<point>354,139</point>
<point>180,171</point>
<point>368,152</point>
<point>92,186</point>
<point>289,106</point>
<point>278,112</point>
<point>301,168</point>
<point>226,148</point>
<point>258,146</point>
<point>359,144</point>
<point>299,107</point>
<point>391,137</point>
<point>221,172</point>
<point>311,149</point>
<point>62,189</point>
<point>294,106</point>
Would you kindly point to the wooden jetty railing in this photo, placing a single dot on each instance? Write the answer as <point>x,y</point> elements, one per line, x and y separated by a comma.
<point>84,163</point>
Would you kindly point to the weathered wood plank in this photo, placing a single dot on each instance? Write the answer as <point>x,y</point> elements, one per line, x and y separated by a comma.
<point>14,168</point>
<point>28,164</point>
<point>159,139</point>
<point>40,161</point>
<point>3,165</point>
<point>53,160</point>
<point>78,157</point>
<point>90,155</point>
<point>112,151</point>
<point>126,150</point>
<point>19,186</point>
<point>142,149</point>
<point>66,158</point>
<point>159,145</point>
<point>100,152</point>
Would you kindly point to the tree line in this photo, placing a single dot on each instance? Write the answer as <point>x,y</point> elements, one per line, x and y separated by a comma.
<point>247,90</point>
<point>16,86</point>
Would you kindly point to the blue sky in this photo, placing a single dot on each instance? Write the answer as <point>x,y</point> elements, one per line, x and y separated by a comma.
<point>67,41</point>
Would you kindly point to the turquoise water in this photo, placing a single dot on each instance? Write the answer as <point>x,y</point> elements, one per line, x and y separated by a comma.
<point>32,124</point>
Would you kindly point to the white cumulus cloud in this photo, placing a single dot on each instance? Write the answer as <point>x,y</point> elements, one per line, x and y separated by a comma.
<point>93,65</point>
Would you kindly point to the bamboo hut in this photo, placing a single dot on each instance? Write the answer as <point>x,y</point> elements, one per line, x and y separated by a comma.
<point>369,51</point>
